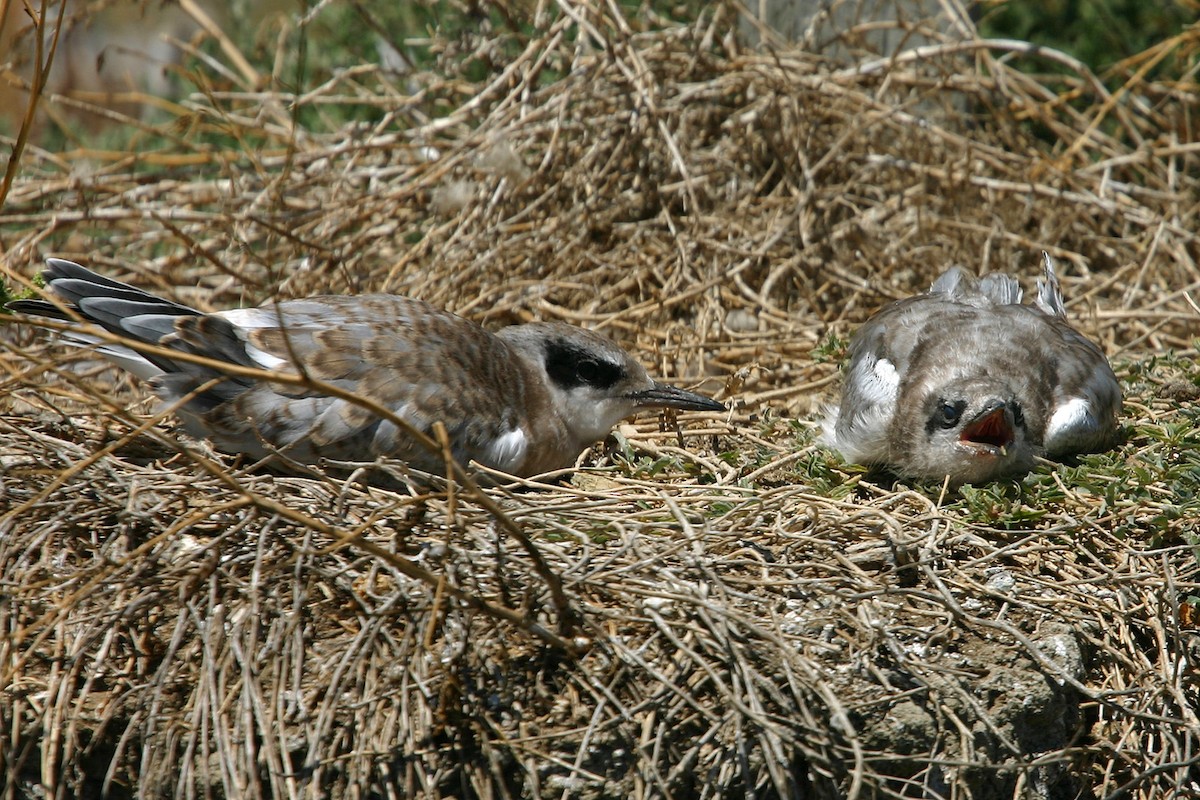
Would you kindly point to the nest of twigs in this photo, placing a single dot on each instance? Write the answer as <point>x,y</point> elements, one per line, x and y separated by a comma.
<point>710,607</point>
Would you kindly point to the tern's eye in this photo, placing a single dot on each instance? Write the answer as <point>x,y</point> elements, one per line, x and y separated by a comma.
<point>948,414</point>
<point>588,371</point>
<point>597,373</point>
<point>1018,416</point>
<point>569,366</point>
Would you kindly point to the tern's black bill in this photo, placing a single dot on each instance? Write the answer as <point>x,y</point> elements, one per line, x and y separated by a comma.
<point>662,396</point>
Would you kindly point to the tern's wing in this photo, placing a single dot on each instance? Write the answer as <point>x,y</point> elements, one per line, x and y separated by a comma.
<point>879,357</point>
<point>398,353</point>
<point>1087,397</point>
<point>422,364</point>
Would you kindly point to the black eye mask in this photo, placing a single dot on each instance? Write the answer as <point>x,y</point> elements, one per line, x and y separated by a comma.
<point>569,367</point>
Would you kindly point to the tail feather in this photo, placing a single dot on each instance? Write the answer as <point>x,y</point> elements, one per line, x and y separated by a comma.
<point>74,290</point>
<point>147,321</point>
<point>113,306</point>
<point>65,273</point>
<point>38,308</point>
<point>1001,289</point>
<point>961,286</point>
<point>954,282</point>
<point>1049,292</point>
<point>108,303</point>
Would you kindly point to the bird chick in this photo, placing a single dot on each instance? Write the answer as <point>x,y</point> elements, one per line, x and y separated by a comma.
<point>966,382</point>
<point>526,400</point>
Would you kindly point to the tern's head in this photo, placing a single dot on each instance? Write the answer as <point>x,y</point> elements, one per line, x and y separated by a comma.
<point>973,431</point>
<point>593,383</point>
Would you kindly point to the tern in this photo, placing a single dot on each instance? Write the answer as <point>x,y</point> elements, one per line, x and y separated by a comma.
<point>525,400</point>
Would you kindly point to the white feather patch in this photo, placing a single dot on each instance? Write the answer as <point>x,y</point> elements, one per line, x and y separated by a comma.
<point>859,432</point>
<point>130,361</point>
<point>265,359</point>
<point>250,317</point>
<point>882,382</point>
<point>508,451</point>
<point>1070,420</point>
<point>256,318</point>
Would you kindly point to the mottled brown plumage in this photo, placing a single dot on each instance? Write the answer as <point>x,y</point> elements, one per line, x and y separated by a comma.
<point>526,400</point>
<point>964,381</point>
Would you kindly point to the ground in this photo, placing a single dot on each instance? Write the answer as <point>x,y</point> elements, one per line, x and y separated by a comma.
<point>739,609</point>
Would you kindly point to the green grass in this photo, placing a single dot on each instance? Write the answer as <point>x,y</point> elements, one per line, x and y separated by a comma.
<point>1100,33</point>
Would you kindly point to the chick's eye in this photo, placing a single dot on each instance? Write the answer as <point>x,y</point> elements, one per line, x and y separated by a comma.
<point>948,414</point>
<point>1018,415</point>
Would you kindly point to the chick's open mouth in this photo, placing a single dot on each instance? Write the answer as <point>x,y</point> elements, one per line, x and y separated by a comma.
<point>991,433</point>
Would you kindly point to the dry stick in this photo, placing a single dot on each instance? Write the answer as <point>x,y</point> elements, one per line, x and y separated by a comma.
<point>953,48</point>
<point>567,615</point>
<point>42,61</point>
<point>4,8</point>
<point>93,104</point>
<point>196,248</point>
<point>1110,102</point>
<point>400,563</point>
<point>71,600</point>
<point>248,497</point>
<point>1035,652</point>
<point>62,477</point>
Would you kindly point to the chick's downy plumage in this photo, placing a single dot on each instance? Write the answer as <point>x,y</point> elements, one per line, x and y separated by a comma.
<point>964,381</point>
<point>526,400</point>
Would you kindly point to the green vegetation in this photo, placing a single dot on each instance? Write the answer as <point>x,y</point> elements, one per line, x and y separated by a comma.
<point>299,628</point>
<point>1101,33</point>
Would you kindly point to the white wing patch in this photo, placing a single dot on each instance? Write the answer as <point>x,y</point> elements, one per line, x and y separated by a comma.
<point>250,317</point>
<point>1071,421</point>
<point>882,383</point>
<point>507,452</point>
<point>256,318</point>
<point>265,359</point>
<point>858,430</point>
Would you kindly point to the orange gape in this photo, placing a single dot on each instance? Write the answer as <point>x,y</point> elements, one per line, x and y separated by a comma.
<point>965,381</point>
